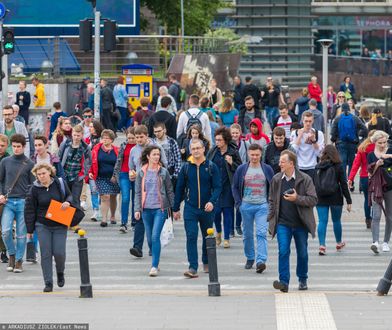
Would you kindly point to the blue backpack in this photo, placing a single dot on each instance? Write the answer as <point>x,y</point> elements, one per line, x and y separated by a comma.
<point>347,128</point>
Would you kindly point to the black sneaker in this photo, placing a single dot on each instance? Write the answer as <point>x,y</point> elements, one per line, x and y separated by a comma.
<point>281,286</point>
<point>113,222</point>
<point>60,280</point>
<point>123,229</point>
<point>48,287</point>
<point>303,285</point>
<point>4,258</point>
<point>249,264</point>
<point>260,267</point>
<point>136,252</point>
<point>191,273</point>
<point>239,231</point>
<point>103,224</point>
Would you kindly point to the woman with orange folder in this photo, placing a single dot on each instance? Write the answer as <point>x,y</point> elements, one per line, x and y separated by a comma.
<point>52,235</point>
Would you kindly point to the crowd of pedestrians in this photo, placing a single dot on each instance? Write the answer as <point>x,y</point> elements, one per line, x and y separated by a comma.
<point>249,166</point>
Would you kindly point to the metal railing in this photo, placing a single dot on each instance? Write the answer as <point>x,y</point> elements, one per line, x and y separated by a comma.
<point>356,64</point>
<point>156,51</point>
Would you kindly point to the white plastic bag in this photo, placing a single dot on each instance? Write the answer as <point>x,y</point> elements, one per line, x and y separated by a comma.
<point>167,233</point>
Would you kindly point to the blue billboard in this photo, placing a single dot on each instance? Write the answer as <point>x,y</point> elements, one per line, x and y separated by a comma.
<point>45,16</point>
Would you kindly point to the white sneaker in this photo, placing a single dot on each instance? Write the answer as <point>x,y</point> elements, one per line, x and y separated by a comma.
<point>385,247</point>
<point>374,247</point>
<point>83,205</point>
<point>94,217</point>
<point>153,272</point>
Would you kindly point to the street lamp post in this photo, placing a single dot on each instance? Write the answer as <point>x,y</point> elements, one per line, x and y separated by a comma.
<point>182,25</point>
<point>325,43</point>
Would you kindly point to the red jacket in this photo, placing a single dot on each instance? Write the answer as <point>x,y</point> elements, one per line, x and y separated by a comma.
<point>94,154</point>
<point>361,161</point>
<point>314,91</point>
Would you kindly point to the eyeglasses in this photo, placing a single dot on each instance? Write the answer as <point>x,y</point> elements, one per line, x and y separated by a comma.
<point>159,131</point>
<point>341,96</point>
<point>87,116</point>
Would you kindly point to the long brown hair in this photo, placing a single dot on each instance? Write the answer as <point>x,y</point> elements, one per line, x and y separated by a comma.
<point>147,152</point>
<point>227,105</point>
<point>201,135</point>
<point>60,122</point>
<point>330,153</point>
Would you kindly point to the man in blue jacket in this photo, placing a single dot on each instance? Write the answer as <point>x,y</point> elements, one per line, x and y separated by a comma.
<point>199,184</point>
<point>250,192</point>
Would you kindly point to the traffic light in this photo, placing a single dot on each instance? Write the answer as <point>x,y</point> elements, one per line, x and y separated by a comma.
<point>109,35</point>
<point>9,40</point>
<point>85,35</point>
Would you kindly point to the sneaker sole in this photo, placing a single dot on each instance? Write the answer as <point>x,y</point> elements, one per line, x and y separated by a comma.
<point>153,275</point>
<point>374,249</point>
<point>187,275</point>
<point>17,271</point>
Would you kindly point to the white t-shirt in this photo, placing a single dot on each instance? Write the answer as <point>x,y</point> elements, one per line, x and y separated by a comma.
<point>286,124</point>
<point>205,122</point>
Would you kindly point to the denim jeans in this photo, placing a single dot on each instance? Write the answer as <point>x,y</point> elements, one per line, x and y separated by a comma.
<point>272,113</point>
<point>192,218</point>
<point>94,194</point>
<point>347,152</point>
<point>52,242</point>
<point>122,123</point>
<point>153,220</point>
<point>336,214</point>
<point>255,214</point>
<point>14,209</point>
<point>285,234</point>
<point>228,219</point>
<point>238,219</point>
<point>364,184</point>
<point>126,186</point>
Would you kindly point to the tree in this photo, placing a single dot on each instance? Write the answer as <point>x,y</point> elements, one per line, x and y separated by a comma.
<point>235,43</point>
<point>198,14</point>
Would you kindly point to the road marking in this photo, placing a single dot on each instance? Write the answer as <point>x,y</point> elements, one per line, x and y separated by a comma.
<point>303,311</point>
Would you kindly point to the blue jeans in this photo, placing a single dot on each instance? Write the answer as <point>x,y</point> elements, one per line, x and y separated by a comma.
<point>336,214</point>
<point>255,214</point>
<point>364,184</point>
<point>126,186</point>
<point>192,218</point>
<point>153,220</point>
<point>272,113</point>
<point>122,123</point>
<point>14,209</point>
<point>228,219</point>
<point>285,234</point>
<point>347,152</point>
<point>94,195</point>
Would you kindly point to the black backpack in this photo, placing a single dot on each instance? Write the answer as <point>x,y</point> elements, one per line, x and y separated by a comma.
<point>193,120</point>
<point>325,181</point>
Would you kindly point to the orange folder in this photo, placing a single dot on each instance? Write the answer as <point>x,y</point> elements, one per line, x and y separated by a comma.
<point>55,213</point>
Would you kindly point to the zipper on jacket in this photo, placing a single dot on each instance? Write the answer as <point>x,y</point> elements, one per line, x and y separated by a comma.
<point>198,184</point>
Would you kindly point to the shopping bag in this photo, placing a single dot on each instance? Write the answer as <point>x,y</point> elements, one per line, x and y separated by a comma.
<point>167,233</point>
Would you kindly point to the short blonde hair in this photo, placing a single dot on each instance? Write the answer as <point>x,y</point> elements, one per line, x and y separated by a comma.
<point>78,129</point>
<point>378,135</point>
<point>4,138</point>
<point>46,166</point>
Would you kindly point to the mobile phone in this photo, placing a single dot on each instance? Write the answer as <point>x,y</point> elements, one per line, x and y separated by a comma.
<point>289,192</point>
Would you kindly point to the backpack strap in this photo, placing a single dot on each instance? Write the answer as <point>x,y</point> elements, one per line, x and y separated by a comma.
<point>199,114</point>
<point>62,186</point>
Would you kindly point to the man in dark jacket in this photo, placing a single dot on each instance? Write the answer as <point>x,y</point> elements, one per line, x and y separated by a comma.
<point>292,197</point>
<point>273,150</point>
<point>107,106</point>
<point>247,113</point>
<point>346,136</point>
<point>163,116</point>
<point>199,183</point>
<point>251,89</point>
<point>270,99</point>
<point>238,97</point>
<point>250,191</point>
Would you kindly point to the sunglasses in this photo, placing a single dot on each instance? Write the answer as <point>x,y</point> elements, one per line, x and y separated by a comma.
<point>87,116</point>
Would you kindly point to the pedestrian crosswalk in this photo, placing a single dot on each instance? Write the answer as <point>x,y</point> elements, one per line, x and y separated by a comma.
<point>355,268</point>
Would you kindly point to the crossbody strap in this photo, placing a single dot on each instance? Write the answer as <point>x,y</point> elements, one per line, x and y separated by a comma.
<point>16,179</point>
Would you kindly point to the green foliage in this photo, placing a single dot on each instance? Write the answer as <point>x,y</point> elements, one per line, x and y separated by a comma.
<point>198,14</point>
<point>236,45</point>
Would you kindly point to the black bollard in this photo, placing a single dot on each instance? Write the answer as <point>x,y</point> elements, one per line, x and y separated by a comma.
<point>213,286</point>
<point>385,283</point>
<point>86,289</point>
